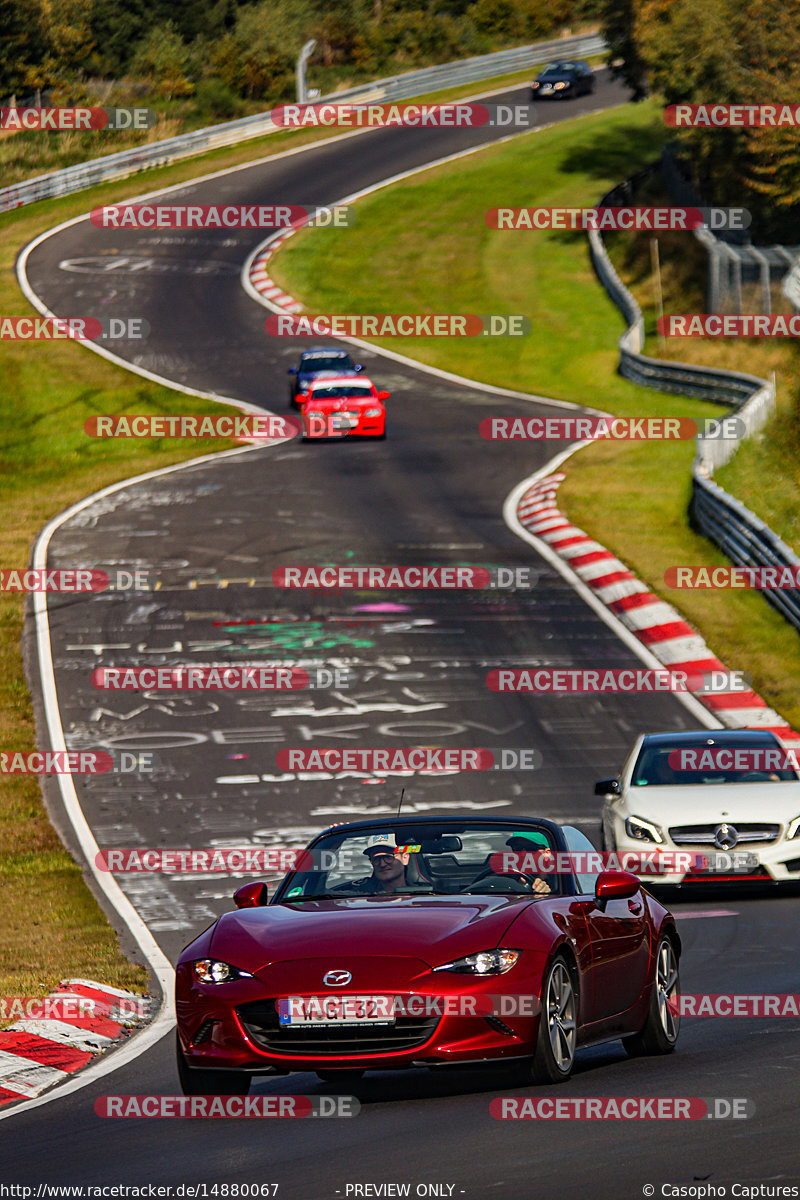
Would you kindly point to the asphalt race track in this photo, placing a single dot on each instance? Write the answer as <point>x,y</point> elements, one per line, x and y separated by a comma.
<point>211,536</point>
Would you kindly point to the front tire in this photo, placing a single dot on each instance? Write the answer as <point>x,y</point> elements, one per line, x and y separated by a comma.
<point>209,1083</point>
<point>558,1026</point>
<point>659,1034</point>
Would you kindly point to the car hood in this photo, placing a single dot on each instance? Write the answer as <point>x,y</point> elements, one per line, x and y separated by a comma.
<point>565,78</point>
<point>697,804</point>
<point>433,929</point>
<point>337,404</point>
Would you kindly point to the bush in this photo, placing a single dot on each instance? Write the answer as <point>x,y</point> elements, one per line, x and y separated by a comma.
<point>216,101</point>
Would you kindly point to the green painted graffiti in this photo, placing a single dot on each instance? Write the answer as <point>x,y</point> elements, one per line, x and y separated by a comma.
<point>294,638</point>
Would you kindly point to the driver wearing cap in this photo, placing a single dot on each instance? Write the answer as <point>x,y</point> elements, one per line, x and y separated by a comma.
<point>388,867</point>
<point>524,843</point>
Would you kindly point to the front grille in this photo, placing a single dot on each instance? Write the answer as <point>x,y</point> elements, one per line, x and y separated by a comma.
<point>703,835</point>
<point>260,1020</point>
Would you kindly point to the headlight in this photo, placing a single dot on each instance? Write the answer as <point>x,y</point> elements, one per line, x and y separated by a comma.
<point>373,412</point>
<point>487,962</point>
<point>794,829</point>
<point>309,413</point>
<point>643,831</point>
<point>558,86</point>
<point>210,970</point>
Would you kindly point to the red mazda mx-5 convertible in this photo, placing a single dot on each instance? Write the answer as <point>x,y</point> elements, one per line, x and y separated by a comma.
<point>428,941</point>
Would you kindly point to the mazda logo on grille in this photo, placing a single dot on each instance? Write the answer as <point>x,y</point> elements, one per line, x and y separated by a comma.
<point>336,978</point>
<point>725,837</point>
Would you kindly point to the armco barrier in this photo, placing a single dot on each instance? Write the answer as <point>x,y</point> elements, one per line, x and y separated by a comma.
<point>398,87</point>
<point>720,517</point>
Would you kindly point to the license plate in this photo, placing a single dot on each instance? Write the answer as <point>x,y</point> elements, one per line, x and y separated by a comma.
<point>344,422</point>
<point>547,87</point>
<point>336,1010</point>
<point>727,863</point>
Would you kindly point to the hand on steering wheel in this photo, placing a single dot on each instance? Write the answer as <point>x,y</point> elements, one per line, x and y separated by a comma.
<point>531,882</point>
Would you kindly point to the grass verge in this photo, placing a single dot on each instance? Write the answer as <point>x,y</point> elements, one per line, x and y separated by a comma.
<point>437,255</point>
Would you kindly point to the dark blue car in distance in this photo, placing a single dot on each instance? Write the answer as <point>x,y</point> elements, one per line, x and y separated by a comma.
<point>315,362</point>
<point>559,80</point>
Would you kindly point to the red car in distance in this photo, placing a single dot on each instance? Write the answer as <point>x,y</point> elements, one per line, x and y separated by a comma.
<point>400,944</point>
<point>342,406</point>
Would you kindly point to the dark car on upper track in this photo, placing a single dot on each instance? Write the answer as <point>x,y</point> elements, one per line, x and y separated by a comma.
<point>559,80</point>
<point>313,362</point>
<point>428,941</point>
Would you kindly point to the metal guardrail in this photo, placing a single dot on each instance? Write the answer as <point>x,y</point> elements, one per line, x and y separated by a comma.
<point>724,520</point>
<point>397,87</point>
<point>745,539</point>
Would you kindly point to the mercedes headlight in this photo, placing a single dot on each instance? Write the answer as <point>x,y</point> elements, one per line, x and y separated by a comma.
<point>210,970</point>
<point>487,962</point>
<point>793,830</point>
<point>373,412</point>
<point>643,831</point>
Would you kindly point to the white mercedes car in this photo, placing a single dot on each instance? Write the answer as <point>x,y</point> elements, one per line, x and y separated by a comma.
<point>729,797</point>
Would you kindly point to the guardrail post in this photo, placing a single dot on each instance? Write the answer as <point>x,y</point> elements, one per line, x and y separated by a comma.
<point>305,55</point>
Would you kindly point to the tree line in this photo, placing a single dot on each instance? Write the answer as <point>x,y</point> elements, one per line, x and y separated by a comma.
<point>245,50</point>
<point>722,52</point>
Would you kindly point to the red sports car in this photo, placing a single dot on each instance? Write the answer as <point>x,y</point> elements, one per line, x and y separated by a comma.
<point>428,942</point>
<point>341,406</point>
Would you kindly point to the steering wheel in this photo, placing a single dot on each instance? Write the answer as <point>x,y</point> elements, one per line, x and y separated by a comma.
<point>517,877</point>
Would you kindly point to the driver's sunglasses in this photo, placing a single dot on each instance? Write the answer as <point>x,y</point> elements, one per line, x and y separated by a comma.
<point>373,858</point>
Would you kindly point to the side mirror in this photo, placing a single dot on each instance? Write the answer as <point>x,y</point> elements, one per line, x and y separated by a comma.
<point>607,787</point>
<point>292,371</point>
<point>615,885</point>
<point>384,395</point>
<point>252,895</point>
<point>301,398</point>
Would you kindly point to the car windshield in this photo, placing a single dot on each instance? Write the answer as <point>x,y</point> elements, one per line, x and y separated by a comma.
<point>341,392</point>
<point>562,68</point>
<point>331,362</point>
<point>445,859</point>
<point>714,760</point>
